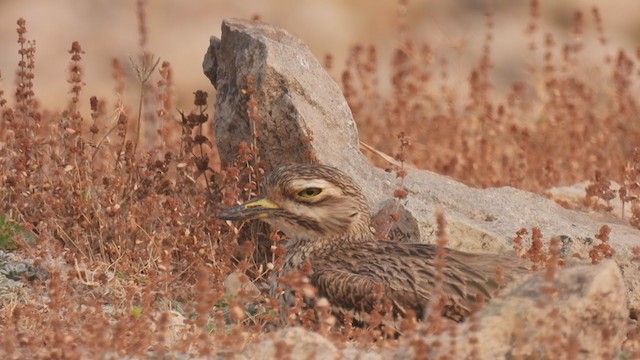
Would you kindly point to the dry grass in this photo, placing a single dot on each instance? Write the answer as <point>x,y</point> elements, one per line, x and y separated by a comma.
<point>121,203</point>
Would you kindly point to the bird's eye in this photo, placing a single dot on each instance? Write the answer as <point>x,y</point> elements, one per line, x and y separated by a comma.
<point>310,192</point>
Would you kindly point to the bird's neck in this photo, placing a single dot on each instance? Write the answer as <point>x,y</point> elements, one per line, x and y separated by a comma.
<point>301,249</point>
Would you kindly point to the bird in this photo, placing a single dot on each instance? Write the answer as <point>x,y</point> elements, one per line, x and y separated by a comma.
<point>327,222</point>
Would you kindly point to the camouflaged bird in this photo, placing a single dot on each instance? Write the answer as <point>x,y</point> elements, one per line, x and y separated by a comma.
<point>327,221</point>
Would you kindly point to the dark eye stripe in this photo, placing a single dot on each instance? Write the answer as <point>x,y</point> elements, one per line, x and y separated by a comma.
<point>305,222</point>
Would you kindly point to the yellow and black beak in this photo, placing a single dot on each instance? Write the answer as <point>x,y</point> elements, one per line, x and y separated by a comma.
<point>253,209</point>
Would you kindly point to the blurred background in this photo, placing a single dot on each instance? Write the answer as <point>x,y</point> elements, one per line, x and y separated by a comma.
<point>178,32</point>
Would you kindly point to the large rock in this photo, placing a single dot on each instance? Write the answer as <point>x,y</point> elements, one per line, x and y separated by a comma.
<point>585,313</point>
<point>295,96</point>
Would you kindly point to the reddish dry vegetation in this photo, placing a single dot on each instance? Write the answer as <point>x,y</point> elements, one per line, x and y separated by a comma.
<point>120,204</point>
<point>558,126</point>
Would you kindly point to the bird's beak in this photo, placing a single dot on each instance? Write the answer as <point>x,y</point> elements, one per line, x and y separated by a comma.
<point>252,209</point>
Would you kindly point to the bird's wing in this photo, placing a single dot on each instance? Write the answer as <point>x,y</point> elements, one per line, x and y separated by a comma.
<point>357,295</point>
<point>404,274</point>
<point>465,275</point>
<point>347,291</point>
<point>356,287</point>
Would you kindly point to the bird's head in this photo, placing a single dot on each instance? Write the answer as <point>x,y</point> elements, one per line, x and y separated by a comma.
<point>308,202</point>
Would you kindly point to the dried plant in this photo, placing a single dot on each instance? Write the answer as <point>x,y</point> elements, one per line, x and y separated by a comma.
<point>117,206</point>
<point>600,189</point>
<point>602,250</point>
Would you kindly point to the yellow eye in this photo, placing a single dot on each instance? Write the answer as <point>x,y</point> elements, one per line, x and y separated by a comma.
<point>310,192</point>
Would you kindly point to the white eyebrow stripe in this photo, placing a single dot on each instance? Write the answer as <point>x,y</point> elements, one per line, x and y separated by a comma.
<point>319,183</point>
<point>326,186</point>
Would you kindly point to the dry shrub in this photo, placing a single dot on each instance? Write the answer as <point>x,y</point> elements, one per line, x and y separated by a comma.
<point>556,126</point>
<point>123,222</point>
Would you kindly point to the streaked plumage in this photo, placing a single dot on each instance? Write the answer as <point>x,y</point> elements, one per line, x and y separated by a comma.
<point>328,224</point>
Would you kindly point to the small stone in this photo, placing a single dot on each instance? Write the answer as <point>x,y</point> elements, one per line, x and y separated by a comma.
<point>239,284</point>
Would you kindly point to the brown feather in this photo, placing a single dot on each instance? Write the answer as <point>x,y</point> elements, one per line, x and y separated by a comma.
<point>347,275</point>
